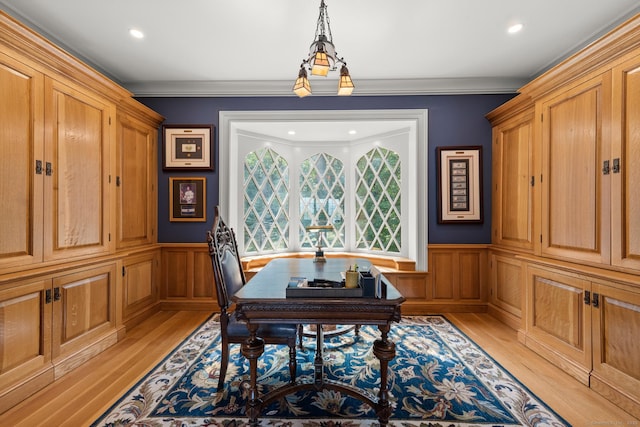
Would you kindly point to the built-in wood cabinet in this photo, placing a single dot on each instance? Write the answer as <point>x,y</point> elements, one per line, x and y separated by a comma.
<point>55,174</point>
<point>581,272</point>
<point>78,246</point>
<point>51,324</point>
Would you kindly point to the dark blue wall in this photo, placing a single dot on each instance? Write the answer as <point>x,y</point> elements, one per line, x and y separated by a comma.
<point>453,120</point>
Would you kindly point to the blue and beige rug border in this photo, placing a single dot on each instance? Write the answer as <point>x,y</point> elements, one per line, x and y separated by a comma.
<point>551,418</point>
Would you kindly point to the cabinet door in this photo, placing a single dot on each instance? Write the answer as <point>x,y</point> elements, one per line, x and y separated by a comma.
<point>135,183</point>
<point>575,194</point>
<point>25,332</point>
<point>513,186</point>
<point>77,144</point>
<point>558,322</point>
<point>616,347</point>
<point>140,285</point>
<point>84,309</point>
<point>625,191</point>
<point>21,146</point>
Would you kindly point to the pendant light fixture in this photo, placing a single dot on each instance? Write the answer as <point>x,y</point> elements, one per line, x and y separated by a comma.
<point>322,59</point>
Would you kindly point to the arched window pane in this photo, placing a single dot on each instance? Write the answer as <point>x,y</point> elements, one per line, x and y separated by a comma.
<point>378,225</point>
<point>322,192</point>
<point>266,202</point>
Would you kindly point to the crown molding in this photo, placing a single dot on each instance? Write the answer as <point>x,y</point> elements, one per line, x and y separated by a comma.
<point>450,86</point>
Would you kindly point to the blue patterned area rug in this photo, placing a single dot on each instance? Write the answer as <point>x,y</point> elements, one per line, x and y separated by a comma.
<point>438,377</point>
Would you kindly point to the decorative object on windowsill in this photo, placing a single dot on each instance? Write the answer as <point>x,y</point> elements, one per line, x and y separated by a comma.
<point>319,243</point>
<point>322,59</point>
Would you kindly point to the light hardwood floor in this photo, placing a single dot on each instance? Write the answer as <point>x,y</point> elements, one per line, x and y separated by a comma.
<point>81,396</point>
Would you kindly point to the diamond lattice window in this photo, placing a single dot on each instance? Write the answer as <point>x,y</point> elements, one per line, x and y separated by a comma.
<point>377,201</point>
<point>266,202</point>
<point>322,200</point>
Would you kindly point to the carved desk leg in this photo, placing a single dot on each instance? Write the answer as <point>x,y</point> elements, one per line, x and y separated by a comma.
<point>385,351</point>
<point>318,361</point>
<point>252,348</point>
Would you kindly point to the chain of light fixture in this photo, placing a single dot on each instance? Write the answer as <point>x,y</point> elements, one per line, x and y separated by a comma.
<point>322,59</point>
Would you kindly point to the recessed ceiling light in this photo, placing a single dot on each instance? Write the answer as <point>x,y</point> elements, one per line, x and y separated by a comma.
<point>135,33</point>
<point>292,132</point>
<point>515,28</point>
<point>352,132</point>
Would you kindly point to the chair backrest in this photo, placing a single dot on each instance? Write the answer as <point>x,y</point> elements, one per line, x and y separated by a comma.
<point>227,267</point>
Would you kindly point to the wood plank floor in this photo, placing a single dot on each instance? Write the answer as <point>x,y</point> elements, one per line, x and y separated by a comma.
<point>81,396</point>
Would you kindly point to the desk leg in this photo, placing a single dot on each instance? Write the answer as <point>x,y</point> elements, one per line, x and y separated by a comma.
<point>385,351</point>
<point>252,348</point>
<point>318,362</point>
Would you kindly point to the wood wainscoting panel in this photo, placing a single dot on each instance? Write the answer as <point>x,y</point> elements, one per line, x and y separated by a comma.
<point>187,279</point>
<point>460,284</point>
<point>203,282</point>
<point>458,279</point>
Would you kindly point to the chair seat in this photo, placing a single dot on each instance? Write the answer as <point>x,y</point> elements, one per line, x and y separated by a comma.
<point>266,331</point>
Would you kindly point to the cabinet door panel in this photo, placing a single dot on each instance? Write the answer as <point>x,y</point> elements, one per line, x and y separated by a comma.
<point>25,330</point>
<point>626,147</point>
<point>136,195</point>
<point>575,205</point>
<point>616,328</point>
<point>78,148</point>
<point>513,169</point>
<point>85,307</point>
<point>557,316</point>
<point>21,145</point>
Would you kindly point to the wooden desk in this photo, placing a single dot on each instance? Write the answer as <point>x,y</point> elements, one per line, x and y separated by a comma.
<point>263,300</point>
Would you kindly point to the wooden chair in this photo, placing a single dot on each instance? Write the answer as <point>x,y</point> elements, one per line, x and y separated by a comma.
<point>229,278</point>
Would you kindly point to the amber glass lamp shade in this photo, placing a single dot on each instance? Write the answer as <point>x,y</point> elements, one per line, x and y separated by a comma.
<point>345,85</point>
<point>320,64</point>
<point>302,87</point>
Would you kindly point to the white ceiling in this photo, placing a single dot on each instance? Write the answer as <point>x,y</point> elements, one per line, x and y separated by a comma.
<point>255,47</point>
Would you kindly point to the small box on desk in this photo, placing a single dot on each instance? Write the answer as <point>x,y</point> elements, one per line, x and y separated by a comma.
<point>368,284</point>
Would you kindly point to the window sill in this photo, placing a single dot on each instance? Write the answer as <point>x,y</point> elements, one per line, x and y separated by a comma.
<point>382,263</point>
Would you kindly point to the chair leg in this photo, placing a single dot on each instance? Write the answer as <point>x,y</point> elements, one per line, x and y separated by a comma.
<point>293,363</point>
<point>301,336</point>
<point>357,330</point>
<point>223,364</point>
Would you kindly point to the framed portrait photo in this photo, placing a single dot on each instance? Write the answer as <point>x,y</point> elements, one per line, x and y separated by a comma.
<point>187,147</point>
<point>459,172</point>
<point>187,199</point>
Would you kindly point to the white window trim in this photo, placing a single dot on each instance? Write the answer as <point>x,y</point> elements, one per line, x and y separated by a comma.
<point>230,123</point>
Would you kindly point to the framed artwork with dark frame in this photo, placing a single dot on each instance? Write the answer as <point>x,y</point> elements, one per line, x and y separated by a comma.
<point>187,199</point>
<point>459,172</point>
<point>187,147</point>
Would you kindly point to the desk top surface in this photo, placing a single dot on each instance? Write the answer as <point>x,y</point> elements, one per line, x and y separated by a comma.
<point>270,283</point>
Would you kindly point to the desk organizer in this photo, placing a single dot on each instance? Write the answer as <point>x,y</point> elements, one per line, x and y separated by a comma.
<point>297,289</point>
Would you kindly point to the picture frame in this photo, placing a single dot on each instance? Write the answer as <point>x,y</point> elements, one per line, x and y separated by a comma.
<point>459,173</point>
<point>187,199</point>
<point>187,147</point>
